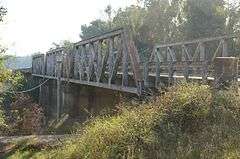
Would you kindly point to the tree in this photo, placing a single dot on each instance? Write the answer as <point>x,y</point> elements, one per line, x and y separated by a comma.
<point>204,18</point>
<point>233,25</point>
<point>3,74</point>
<point>156,22</point>
<point>96,27</point>
<point>9,81</point>
<point>232,19</point>
<point>132,19</point>
<point>108,11</point>
<point>164,21</point>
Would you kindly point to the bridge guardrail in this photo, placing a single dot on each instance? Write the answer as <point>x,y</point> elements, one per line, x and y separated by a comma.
<point>190,58</point>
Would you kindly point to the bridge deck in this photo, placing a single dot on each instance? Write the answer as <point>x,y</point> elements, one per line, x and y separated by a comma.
<point>132,90</point>
<point>94,84</point>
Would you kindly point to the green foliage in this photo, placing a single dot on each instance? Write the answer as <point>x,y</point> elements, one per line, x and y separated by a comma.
<point>162,21</point>
<point>205,18</point>
<point>132,18</point>
<point>96,27</point>
<point>3,126</point>
<point>189,121</point>
<point>9,82</point>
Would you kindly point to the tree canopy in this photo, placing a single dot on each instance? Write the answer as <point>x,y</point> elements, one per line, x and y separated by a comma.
<point>162,21</point>
<point>96,27</point>
<point>9,81</point>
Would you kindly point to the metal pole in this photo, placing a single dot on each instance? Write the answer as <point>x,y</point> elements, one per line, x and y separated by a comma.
<point>59,70</point>
<point>40,95</point>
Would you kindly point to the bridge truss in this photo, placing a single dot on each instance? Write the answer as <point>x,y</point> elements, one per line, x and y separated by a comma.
<point>111,61</point>
<point>189,59</point>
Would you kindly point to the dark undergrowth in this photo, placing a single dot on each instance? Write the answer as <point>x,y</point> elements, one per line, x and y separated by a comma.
<point>189,121</point>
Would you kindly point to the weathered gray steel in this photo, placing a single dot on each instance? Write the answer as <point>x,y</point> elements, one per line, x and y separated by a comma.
<point>130,89</point>
<point>59,68</point>
<point>38,64</point>
<point>96,61</point>
<point>111,60</point>
<point>196,56</point>
<point>197,41</point>
<point>238,70</point>
<point>113,33</point>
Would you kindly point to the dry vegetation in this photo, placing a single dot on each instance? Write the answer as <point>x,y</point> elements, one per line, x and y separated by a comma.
<point>25,117</point>
<point>189,121</point>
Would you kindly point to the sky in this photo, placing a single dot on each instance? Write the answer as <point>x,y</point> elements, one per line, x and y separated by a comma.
<point>33,25</point>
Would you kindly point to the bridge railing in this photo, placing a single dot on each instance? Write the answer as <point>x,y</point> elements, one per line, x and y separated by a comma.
<point>38,64</point>
<point>238,68</point>
<point>188,59</point>
<point>110,61</point>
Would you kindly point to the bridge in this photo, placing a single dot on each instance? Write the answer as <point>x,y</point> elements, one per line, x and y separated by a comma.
<point>112,62</point>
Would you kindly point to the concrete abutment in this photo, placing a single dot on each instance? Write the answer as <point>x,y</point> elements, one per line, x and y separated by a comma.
<point>77,101</point>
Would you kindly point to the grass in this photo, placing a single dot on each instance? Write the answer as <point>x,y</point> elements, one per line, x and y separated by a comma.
<point>189,121</point>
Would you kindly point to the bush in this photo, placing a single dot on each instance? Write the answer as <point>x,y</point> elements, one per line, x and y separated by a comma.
<point>26,117</point>
<point>189,121</point>
<point>3,125</point>
<point>9,82</point>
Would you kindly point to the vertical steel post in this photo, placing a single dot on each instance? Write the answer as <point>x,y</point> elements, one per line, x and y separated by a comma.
<point>59,70</point>
<point>40,95</point>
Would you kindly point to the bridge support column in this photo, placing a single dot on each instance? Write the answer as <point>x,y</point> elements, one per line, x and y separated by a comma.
<point>225,71</point>
<point>71,99</point>
<point>92,100</point>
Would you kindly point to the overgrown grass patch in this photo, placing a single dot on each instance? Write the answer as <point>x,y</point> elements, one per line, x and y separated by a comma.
<point>188,121</point>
